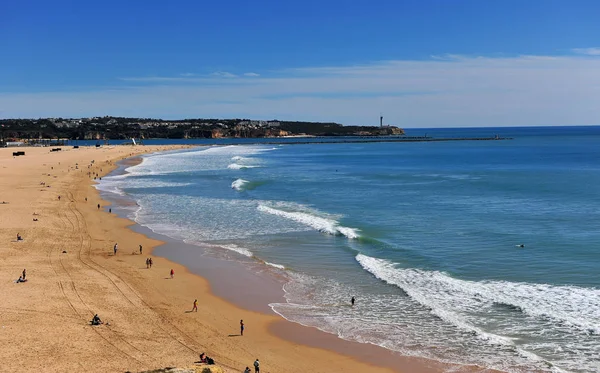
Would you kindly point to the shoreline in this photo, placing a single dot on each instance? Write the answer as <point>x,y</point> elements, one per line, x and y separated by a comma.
<point>73,274</point>
<point>238,290</point>
<point>231,279</point>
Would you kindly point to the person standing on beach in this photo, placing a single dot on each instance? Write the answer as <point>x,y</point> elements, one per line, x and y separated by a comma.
<point>98,206</point>
<point>172,273</point>
<point>150,261</point>
<point>242,328</point>
<point>352,301</point>
<point>24,274</point>
<point>256,366</point>
<point>140,249</point>
<point>115,248</point>
<point>195,307</point>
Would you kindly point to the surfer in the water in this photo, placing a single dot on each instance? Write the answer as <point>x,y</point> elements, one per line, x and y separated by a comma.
<point>352,301</point>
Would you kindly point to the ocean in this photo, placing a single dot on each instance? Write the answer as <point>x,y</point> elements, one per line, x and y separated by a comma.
<point>469,252</point>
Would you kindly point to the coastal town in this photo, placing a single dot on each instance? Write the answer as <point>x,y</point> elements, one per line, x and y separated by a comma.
<point>114,128</point>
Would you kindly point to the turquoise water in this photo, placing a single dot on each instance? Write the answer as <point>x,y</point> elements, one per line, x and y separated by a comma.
<point>426,236</point>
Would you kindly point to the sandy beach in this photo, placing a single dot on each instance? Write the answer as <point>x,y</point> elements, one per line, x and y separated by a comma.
<point>72,273</point>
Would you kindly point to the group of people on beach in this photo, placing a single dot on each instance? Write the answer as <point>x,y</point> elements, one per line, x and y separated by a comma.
<point>256,367</point>
<point>203,357</point>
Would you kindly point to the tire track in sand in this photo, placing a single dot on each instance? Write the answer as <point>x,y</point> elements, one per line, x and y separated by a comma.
<point>79,307</point>
<point>132,296</point>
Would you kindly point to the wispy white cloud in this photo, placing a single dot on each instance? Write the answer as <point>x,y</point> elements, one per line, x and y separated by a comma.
<point>223,74</point>
<point>157,79</point>
<point>448,91</point>
<point>588,51</point>
<point>187,75</point>
<point>251,74</point>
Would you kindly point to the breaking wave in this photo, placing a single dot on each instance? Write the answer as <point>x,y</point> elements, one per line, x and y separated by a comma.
<point>239,184</point>
<point>279,266</point>
<point>237,166</point>
<point>567,313</point>
<point>238,249</point>
<point>319,223</point>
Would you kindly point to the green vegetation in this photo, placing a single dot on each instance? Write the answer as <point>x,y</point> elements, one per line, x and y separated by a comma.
<point>114,128</point>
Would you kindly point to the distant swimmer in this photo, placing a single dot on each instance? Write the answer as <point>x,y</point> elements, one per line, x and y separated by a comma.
<point>521,245</point>
<point>352,301</point>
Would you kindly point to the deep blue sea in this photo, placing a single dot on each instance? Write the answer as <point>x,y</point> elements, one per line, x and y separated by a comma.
<point>427,236</point>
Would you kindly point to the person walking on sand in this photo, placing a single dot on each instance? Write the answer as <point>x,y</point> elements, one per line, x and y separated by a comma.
<point>147,263</point>
<point>115,248</point>
<point>195,307</point>
<point>256,366</point>
<point>172,273</point>
<point>24,274</point>
<point>98,206</point>
<point>242,328</point>
<point>140,249</point>
<point>352,301</point>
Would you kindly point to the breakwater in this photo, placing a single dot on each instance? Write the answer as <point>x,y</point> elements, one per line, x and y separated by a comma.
<point>334,140</point>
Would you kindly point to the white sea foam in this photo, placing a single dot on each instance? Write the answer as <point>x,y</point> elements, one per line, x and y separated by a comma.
<point>569,305</point>
<point>239,184</point>
<point>410,324</point>
<point>319,223</point>
<point>386,271</point>
<point>564,312</point>
<point>238,249</point>
<point>237,166</point>
<point>206,158</point>
<point>279,266</point>
<point>110,188</point>
<point>239,158</point>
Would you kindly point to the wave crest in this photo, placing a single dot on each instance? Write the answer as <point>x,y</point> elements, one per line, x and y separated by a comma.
<point>237,166</point>
<point>455,300</point>
<point>321,224</point>
<point>239,184</point>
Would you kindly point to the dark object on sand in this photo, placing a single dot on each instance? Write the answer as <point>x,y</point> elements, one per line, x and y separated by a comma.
<point>16,154</point>
<point>96,320</point>
<point>206,360</point>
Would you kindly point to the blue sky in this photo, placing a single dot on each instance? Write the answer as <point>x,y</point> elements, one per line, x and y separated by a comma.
<point>422,63</point>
